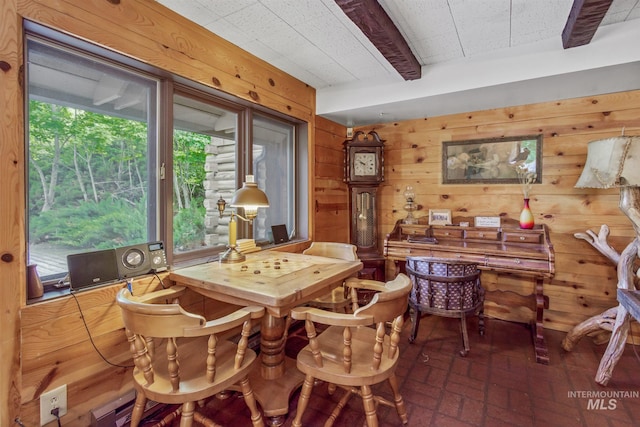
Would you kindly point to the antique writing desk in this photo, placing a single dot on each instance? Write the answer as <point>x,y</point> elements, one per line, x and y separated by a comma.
<point>505,249</point>
<point>277,281</point>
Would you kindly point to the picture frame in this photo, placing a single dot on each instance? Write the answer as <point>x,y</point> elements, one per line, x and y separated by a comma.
<point>439,216</point>
<point>492,160</point>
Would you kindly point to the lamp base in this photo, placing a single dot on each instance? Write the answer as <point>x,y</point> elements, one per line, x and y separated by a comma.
<point>232,255</point>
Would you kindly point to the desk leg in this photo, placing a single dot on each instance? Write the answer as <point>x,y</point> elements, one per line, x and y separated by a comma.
<point>276,377</point>
<point>542,353</point>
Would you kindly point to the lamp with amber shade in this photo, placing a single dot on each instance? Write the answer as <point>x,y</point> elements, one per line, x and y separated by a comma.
<point>250,198</point>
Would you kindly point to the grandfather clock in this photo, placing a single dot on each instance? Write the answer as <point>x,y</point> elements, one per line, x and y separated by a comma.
<point>364,171</point>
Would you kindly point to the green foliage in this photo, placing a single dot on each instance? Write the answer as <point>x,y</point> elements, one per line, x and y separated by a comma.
<point>101,225</point>
<point>188,227</point>
<point>188,160</point>
<point>89,180</point>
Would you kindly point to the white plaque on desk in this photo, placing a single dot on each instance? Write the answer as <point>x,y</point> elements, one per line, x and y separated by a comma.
<point>487,221</point>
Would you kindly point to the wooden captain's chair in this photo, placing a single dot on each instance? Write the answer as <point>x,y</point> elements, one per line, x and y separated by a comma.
<point>352,355</point>
<point>178,357</point>
<point>338,299</point>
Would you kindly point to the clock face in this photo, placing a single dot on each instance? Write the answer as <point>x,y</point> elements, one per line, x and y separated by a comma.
<point>364,164</point>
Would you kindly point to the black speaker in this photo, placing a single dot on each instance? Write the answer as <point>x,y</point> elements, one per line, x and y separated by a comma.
<point>92,268</point>
<point>140,259</point>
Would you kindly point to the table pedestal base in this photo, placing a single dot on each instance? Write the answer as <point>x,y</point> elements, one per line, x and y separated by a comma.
<point>274,394</point>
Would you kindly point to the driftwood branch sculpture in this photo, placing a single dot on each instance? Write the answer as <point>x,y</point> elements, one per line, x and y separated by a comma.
<point>614,319</point>
<point>603,321</point>
<point>599,242</point>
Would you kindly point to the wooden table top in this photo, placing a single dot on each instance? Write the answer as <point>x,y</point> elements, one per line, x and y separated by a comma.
<point>277,281</point>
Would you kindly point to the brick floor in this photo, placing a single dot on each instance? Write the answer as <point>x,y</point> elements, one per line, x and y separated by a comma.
<point>497,384</point>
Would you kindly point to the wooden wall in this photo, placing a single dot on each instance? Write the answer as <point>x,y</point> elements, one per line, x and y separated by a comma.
<point>330,193</point>
<point>585,281</point>
<point>46,345</point>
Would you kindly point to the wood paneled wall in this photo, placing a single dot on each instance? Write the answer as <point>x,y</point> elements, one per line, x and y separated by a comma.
<point>46,344</point>
<point>330,193</point>
<point>585,281</point>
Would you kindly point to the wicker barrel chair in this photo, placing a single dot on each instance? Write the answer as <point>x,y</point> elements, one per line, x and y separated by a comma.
<point>445,288</point>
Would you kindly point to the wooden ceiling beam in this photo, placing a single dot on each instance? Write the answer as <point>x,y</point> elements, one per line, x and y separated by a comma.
<point>374,22</point>
<point>583,21</point>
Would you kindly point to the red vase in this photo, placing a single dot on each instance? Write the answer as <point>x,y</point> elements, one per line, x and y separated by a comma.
<point>526,217</point>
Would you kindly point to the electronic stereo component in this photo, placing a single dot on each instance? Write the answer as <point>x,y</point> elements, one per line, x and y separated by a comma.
<point>141,259</point>
<point>90,269</point>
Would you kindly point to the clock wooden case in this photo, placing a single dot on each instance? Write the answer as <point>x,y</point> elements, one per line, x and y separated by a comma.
<point>364,161</point>
<point>364,171</point>
<point>364,218</point>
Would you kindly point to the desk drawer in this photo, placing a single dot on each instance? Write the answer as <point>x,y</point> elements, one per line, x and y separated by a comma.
<point>526,264</point>
<point>402,253</point>
<point>482,234</point>
<point>481,260</point>
<point>522,237</point>
<point>414,229</point>
<point>447,233</point>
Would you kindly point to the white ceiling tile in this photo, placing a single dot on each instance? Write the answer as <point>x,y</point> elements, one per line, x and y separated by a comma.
<point>221,8</point>
<point>481,25</point>
<point>338,42</point>
<point>334,73</point>
<point>304,74</point>
<point>316,42</point>
<point>191,10</point>
<point>442,47</point>
<point>257,21</point>
<point>540,20</point>
<point>620,10</point>
<point>286,41</point>
<point>297,11</point>
<point>635,13</point>
<point>229,32</point>
<point>262,51</point>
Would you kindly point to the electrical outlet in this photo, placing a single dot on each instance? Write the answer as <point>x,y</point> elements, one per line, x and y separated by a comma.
<point>56,398</point>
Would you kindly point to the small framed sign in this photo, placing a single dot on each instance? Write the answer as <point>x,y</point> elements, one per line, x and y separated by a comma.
<point>487,221</point>
<point>439,216</point>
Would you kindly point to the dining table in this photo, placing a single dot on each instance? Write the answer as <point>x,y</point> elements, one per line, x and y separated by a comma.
<point>277,281</point>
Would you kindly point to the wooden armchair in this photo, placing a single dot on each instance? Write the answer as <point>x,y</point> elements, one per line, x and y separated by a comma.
<point>337,299</point>
<point>178,357</point>
<point>352,355</point>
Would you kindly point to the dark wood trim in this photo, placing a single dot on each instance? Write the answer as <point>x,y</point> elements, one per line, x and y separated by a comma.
<point>374,22</point>
<point>583,21</point>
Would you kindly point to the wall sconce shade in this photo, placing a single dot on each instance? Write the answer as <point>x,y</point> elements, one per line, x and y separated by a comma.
<point>612,162</point>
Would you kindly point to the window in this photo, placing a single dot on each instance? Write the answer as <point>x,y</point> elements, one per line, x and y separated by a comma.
<point>273,160</point>
<point>204,169</point>
<point>101,175</point>
<point>92,156</point>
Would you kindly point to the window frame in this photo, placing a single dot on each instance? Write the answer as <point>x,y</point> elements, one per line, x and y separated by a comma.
<point>169,85</point>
